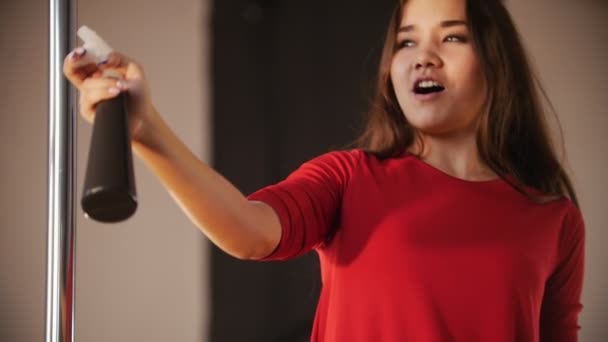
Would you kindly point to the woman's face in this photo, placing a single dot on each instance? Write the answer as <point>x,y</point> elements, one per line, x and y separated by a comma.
<point>435,70</point>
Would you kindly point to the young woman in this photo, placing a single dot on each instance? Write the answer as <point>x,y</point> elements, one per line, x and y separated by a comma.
<point>452,219</point>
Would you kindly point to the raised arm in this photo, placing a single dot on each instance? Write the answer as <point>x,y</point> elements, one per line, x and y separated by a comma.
<point>242,228</point>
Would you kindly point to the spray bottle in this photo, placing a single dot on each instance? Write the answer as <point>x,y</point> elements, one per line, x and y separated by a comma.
<point>109,193</point>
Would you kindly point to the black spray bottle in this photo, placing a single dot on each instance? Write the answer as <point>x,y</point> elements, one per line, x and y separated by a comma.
<point>109,193</point>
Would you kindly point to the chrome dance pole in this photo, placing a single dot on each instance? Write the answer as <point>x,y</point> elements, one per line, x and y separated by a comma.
<point>61,218</point>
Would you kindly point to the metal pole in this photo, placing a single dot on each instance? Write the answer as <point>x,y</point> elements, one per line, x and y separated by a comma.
<point>61,222</point>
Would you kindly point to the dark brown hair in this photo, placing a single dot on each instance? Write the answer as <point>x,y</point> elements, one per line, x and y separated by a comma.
<point>513,138</point>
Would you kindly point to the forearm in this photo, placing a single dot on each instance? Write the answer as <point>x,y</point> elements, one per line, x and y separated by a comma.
<point>244,229</point>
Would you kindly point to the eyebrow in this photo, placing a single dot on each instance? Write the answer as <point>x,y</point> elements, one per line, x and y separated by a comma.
<point>443,24</point>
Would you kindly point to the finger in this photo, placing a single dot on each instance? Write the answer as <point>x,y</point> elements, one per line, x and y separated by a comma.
<point>134,71</point>
<point>76,66</point>
<point>119,63</point>
<point>131,74</point>
<point>90,100</point>
<point>93,83</point>
<point>115,60</point>
<point>78,54</point>
<point>93,97</point>
<point>94,91</point>
<point>86,110</point>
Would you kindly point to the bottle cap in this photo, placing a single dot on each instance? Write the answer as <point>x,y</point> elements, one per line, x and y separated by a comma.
<point>98,49</point>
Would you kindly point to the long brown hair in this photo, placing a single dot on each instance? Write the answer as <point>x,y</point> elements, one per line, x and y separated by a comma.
<point>513,138</point>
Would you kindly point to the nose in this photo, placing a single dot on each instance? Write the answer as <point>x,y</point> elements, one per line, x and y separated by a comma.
<point>427,58</point>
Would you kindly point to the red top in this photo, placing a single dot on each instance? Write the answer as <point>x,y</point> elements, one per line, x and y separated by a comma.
<point>410,253</point>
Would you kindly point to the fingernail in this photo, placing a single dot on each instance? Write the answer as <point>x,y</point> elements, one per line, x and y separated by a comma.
<point>78,52</point>
<point>114,91</point>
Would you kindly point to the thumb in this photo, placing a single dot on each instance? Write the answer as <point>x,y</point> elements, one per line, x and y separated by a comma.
<point>134,71</point>
<point>134,82</point>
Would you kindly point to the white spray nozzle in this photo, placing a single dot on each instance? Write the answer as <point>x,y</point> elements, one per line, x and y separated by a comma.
<point>98,49</point>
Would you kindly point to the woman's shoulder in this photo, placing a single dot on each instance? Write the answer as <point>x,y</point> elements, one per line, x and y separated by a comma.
<point>567,211</point>
<point>347,158</point>
<point>572,214</point>
<point>338,164</point>
<point>353,157</point>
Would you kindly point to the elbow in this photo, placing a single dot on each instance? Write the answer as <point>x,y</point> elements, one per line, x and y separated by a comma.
<point>250,251</point>
<point>239,255</point>
<point>257,233</point>
<point>247,246</point>
<point>258,252</point>
<point>266,234</point>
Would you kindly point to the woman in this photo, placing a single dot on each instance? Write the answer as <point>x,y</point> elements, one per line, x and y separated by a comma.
<point>452,219</point>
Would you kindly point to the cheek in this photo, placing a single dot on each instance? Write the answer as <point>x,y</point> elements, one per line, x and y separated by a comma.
<point>398,75</point>
<point>478,87</point>
<point>474,92</point>
<point>469,71</point>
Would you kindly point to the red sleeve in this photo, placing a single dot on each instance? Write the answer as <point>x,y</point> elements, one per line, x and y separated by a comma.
<point>562,299</point>
<point>308,201</point>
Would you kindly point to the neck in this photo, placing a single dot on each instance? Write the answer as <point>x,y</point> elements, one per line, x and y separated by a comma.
<point>456,155</point>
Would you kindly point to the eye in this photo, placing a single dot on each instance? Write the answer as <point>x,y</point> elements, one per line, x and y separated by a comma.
<point>455,39</point>
<point>405,43</point>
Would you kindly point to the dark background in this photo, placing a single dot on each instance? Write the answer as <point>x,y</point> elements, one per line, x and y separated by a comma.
<point>291,80</point>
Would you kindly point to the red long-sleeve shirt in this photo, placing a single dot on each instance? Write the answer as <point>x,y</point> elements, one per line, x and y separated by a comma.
<point>410,253</point>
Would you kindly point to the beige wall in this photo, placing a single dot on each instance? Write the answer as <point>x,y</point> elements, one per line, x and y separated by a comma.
<point>568,42</point>
<point>144,280</point>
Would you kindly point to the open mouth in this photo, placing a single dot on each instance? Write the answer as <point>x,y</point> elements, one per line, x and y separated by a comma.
<point>425,87</point>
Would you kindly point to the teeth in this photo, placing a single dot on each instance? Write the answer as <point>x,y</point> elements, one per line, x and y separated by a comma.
<point>428,84</point>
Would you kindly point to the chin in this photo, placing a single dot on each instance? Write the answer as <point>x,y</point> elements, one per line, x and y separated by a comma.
<point>429,124</point>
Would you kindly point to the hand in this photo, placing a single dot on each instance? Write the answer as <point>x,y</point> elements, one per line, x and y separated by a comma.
<point>94,87</point>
